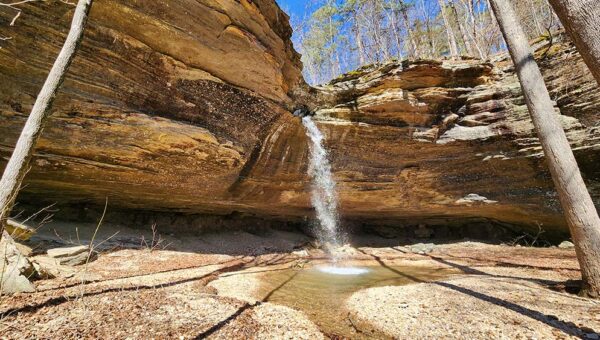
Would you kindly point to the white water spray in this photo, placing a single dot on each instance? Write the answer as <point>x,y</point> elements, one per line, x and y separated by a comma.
<point>323,191</point>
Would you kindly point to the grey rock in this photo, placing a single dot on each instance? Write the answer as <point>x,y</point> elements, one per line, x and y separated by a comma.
<point>566,245</point>
<point>301,253</point>
<point>422,248</point>
<point>70,256</point>
<point>474,198</point>
<point>67,251</point>
<point>49,268</point>
<point>15,268</point>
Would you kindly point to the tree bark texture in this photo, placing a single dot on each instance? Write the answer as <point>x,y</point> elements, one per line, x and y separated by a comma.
<point>579,210</point>
<point>18,164</point>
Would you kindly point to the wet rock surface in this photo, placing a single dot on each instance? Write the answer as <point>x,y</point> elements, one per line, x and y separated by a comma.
<point>186,112</point>
<point>423,140</point>
<point>225,294</point>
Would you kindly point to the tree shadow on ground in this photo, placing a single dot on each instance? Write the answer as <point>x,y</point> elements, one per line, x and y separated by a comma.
<point>245,307</point>
<point>50,301</point>
<point>566,327</point>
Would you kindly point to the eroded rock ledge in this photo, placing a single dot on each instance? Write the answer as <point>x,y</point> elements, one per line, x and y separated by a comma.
<point>182,107</point>
<point>453,138</point>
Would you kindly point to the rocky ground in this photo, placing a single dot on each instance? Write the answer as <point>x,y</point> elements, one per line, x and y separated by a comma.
<point>185,287</point>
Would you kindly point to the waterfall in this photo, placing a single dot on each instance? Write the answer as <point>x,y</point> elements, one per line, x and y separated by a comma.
<point>323,189</point>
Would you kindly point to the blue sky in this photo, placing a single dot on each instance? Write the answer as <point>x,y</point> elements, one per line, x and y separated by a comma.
<point>293,7</point>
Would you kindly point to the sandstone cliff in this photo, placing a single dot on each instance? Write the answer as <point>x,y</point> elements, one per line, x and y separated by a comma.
<point>163,105</point>
<point>429,140</point>
<point>183,107</point>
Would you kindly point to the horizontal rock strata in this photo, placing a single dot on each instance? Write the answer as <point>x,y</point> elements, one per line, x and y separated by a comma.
<point>183,107</point>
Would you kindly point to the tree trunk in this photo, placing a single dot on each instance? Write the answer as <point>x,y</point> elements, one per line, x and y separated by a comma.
<point>430,39</point>
<point>18,164</point>
<point>475,39</point>
<point>581,19</point>
<point>394,22</point>
<point>580,213</point>
<point>358,38</point>
<point>449,31</point>
<point>415,49</point>
<point>536,21</point>
<point>461,29</point>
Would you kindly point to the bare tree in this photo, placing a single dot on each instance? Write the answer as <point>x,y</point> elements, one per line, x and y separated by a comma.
<point>471,23</point>
<point>19,161</point>
<point>431,42</point>
<point>461,28</point>
<point>414,50</point>
<point>580,213</point>
<point>449,31</point>
<point>581,19</point>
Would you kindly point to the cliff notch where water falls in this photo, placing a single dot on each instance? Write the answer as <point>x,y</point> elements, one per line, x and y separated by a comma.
<point>180,110</point>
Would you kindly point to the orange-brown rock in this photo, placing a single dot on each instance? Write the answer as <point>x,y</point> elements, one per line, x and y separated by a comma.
<point>183,107</point>
<point>163,106</point>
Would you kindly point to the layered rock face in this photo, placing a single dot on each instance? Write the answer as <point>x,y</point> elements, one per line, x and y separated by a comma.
<point>163,106</point>
<point>182,107</point>
<point>429,140</point>
<point>439,143</point>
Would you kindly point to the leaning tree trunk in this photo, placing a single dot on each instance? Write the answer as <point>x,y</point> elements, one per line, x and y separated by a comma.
<point>19,161</point>
<point>580,213</point>
<point>581,19</point>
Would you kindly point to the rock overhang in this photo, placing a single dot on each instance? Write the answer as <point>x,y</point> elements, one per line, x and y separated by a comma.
<point>178,133</point>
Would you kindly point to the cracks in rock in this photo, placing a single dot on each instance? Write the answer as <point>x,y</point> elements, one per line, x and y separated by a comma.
<point>85,161</point>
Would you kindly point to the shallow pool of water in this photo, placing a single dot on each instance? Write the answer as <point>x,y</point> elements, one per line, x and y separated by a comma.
<point>321,291</point>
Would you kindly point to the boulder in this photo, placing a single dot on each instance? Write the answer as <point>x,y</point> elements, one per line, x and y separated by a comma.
<point>15,269</point>
<point>70,256</point>
<point>49,268</point>
<point>566,245</point>
<point>18,230</point>
<point>422,248</point>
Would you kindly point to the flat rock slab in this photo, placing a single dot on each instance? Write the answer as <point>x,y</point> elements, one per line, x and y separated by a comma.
<point>71,256</point>
<point>48,267</point>
<point>67,252</point>
<point>474,308</point>
<point>18,230</point>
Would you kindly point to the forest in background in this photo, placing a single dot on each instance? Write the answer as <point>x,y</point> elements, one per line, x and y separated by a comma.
<point>338,36</point>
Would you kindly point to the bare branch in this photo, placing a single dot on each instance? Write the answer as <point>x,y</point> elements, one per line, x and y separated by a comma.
<point>12,23</point>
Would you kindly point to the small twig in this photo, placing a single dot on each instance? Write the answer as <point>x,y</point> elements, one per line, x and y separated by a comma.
<point>37,213</point>
<point>17,3</point>
<point>108,239</point>
<point>12,23</point>
<point>87,261</point>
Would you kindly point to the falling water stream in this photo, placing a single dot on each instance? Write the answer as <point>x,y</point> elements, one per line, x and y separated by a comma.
<point>320,290</point>
<point>323,190</point>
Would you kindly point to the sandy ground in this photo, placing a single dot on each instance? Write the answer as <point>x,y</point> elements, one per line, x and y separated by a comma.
<point>191,290</point>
